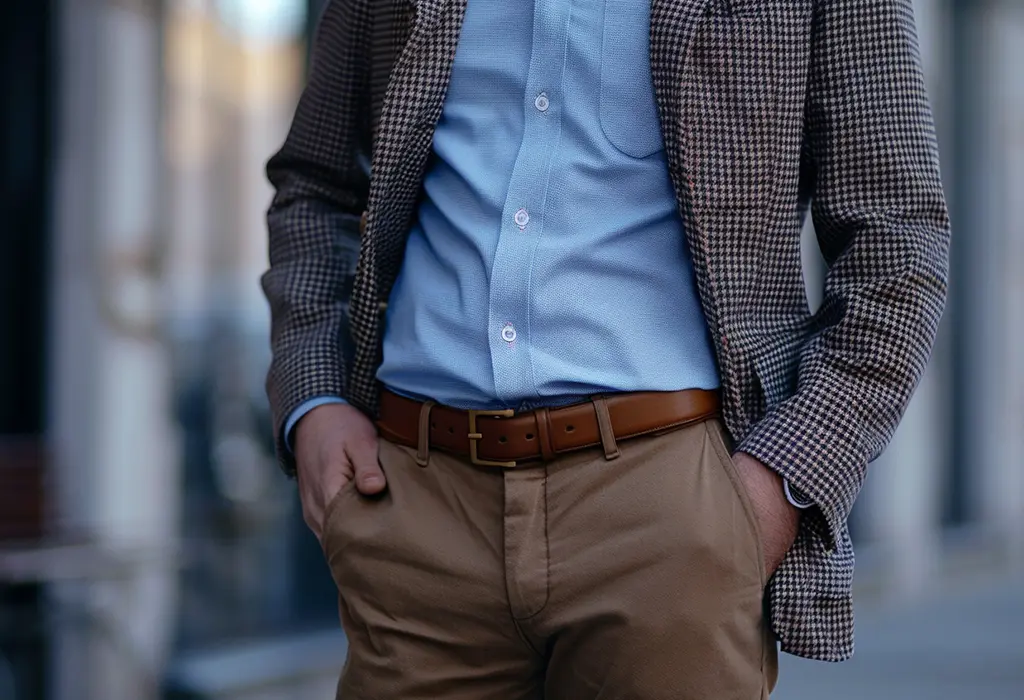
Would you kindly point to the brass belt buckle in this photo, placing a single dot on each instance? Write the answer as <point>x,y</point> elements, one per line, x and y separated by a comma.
<point>474,437</point>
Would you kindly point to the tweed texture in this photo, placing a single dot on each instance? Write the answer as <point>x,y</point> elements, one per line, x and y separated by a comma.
<point>768,108</point>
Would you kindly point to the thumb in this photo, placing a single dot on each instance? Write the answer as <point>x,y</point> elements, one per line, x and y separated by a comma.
<point>369,476</point>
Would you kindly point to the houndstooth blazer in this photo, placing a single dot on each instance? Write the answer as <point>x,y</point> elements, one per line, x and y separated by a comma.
<point>769,108</point>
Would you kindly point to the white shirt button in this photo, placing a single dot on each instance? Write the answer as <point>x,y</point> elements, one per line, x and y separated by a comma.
<point>508,333</point>
<point>542,103</point>
<point>522,218</point>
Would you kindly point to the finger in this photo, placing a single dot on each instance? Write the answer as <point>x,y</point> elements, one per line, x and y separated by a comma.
<point>369,476</point>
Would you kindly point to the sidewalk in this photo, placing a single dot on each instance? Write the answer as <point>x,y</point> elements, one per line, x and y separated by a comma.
<point>959,644</point>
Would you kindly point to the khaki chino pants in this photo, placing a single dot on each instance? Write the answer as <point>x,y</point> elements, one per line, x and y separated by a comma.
<point>637,577</point>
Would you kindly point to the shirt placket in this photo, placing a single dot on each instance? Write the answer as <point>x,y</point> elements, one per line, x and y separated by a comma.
<point>522,221</point>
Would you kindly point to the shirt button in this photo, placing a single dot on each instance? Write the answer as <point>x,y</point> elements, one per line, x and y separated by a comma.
<point>542,103</point>
<point>522,218</point>
<point>508,333</point>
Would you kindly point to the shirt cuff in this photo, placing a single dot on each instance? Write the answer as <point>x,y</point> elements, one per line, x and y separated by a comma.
<point>796,497</point>
<point>302,410</point>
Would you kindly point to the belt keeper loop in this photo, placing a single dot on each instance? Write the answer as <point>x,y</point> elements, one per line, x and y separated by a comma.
<point>547,449</point>
<point>604,425</point>
<point>423,438</point>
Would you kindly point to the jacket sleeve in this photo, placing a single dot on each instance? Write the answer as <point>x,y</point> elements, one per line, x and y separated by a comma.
<point>321,178</point>
<point>871,161</point>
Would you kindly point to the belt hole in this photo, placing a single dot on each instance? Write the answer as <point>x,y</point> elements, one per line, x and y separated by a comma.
<point>503,439</point>
<point>433,425</point>
<point>570,428</point>
<point>451,430</point>
<point>529,436</point>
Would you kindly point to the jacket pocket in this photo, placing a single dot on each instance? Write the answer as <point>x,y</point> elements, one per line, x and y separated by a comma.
<point>628,110</point>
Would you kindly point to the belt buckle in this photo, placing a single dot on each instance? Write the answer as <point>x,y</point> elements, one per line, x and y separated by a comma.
<point>474,437</point>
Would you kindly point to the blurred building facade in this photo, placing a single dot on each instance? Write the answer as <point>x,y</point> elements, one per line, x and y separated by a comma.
<point>174,562</point>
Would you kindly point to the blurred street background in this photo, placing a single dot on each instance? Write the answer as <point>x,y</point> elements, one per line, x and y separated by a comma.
<point>149,547</point>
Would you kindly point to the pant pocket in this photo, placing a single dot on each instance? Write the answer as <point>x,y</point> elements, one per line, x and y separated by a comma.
<point>333,513</point>
<point>717,438</point>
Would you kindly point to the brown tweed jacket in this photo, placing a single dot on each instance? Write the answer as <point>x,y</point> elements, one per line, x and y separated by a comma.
<point>769,108</point>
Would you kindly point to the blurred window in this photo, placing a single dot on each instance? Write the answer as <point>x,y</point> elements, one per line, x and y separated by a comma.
<point>234,70</point>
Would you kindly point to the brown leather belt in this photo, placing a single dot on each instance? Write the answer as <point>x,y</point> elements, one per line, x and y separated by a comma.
<point>505,438</point>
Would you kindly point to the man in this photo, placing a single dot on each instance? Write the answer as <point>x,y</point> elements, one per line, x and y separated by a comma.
<point>512,386</point>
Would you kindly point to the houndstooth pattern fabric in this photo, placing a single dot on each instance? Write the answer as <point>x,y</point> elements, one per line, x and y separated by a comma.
<point>769,108</point>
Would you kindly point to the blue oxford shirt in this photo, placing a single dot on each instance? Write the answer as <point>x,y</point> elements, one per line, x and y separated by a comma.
<point>548,262</point>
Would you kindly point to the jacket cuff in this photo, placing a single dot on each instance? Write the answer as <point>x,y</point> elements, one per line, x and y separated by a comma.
<point>814,457</point>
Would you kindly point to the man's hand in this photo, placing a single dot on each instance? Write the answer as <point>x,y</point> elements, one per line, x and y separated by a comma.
<point>334,444</point>
<point>777,518</point>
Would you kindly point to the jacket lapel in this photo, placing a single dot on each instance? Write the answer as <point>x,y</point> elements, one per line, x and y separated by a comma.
<point>673,26</point>
<point>410,110</point>
<point>415,97</point>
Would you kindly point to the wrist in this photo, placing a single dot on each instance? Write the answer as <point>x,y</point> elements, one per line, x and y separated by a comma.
<point>304,409</point>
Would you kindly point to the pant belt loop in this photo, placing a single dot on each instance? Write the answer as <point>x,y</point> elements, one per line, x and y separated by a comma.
<point>423,439</point>
<point>604,424</point>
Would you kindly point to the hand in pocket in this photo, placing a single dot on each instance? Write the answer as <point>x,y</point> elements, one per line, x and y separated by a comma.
<point>334,445</point>
<point>777,519</point>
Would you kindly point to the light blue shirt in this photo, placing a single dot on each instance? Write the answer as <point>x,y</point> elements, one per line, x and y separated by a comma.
<point>548,262</point>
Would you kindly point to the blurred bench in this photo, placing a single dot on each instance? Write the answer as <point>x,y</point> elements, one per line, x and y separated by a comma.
<point>23,511</point>
<point>23,520</point>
